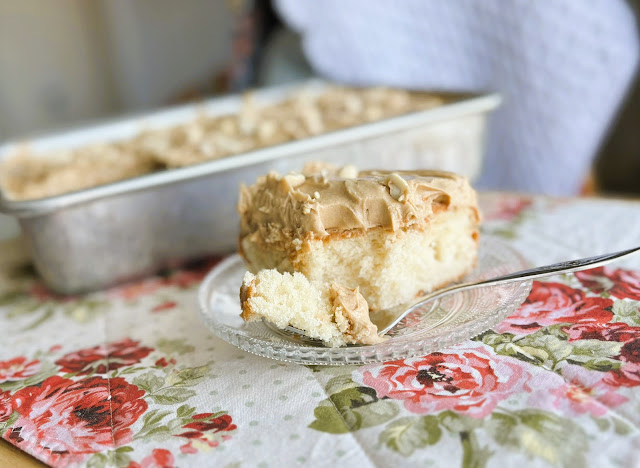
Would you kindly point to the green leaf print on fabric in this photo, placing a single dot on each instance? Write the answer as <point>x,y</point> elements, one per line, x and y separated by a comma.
<point>34,305</point>
<point>9,422</point>
<point>621,427</point>
<point>339,383</point>
<point>405,435</point>
<point>149,381</point>
<point>112,458</point>
<point>473,455</point>
<point>165,385</point>
<point>540,434</point>
<point>549,347</point>
<point>185,411</point>
<point>170,389</point>
<point>98,460</point>
<point>328,419</point>
<point>81,311</point>
<point>456,422</point>
<point>233,465</point>
<point>152,418</point>
<point>583,353</point>
<point>408,434</point>
<point>627,312</point>
<point>10,297</point>
<point>350,408</point>
<point>188,377</point>
<point>539,348</point>
<point>178,346</point>
<point>171,395</point>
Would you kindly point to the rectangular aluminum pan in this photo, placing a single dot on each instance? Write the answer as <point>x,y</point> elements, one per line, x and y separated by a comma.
<point>94,238</point>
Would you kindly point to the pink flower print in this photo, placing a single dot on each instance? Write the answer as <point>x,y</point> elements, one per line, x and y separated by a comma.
<point>469,380</point>
<point>551,303</point>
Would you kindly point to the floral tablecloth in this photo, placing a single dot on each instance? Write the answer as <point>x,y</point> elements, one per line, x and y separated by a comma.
<point>130,377</point>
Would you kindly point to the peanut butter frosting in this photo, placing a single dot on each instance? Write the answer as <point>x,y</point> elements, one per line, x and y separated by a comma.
<point>26,175</point>
<point>351,315</point>
<point>316,205</point>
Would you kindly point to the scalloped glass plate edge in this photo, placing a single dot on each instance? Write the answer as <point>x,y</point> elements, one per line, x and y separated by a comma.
<point>218,297</point>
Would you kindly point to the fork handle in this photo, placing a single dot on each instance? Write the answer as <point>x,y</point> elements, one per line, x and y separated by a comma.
<point>539,272</point>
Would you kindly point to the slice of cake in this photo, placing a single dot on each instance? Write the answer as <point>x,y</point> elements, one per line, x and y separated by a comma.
<point>393,235</point>
<point>329,312</point>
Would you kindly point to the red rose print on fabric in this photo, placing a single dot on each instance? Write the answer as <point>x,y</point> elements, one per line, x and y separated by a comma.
<point>62,421</point>
<point>551,303</point>
<point>40,292</point>
<point>159,458</point>
<point>162,362</point>
<point>627,376</point>
<point>5,406</point>
<point>185,278</point>
<point>507,208</point>
<point>618,331</point>
<point>468,380</point>
<point>167,305</point>
<point>190,277</point>
<point>629,373</point>
<point>204,434</point>
<point>138,289</point>
<point>103,358</point>
<point>623,284</point>
<point>630,351</point>
<point>18,368</point>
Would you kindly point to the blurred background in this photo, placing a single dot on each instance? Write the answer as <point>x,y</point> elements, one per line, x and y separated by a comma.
<point>73,62</point>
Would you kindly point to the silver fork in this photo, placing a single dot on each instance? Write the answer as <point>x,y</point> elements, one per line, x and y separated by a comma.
<point>386,319</point>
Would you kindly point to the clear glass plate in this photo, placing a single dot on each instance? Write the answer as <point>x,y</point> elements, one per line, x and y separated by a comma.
<point>459,316</point>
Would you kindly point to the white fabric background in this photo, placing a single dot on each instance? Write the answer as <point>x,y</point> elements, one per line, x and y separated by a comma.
<point>563,68</point>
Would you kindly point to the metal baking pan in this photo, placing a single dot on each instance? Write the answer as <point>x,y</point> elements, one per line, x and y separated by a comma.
<point>93,238</point>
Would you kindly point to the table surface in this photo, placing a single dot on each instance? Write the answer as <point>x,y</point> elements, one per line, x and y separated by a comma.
<point>129,377</point>
<point>11,456</point>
